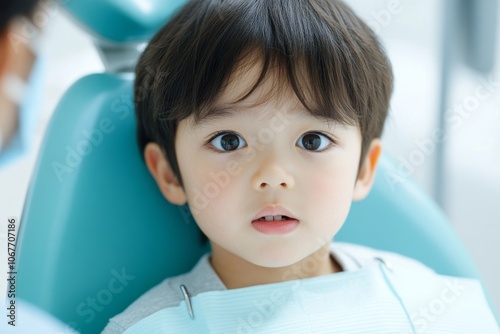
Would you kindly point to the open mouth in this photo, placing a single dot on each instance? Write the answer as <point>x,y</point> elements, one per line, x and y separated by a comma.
<point>273,218</point>
<point>275,224</point>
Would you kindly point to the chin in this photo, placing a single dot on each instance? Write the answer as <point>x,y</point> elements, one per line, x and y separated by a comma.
<point>276,260</point>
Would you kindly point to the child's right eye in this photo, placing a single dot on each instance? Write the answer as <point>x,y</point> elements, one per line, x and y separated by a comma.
<point>227,141</point>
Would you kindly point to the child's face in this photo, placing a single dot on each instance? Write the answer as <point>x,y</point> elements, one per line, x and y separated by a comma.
<point>268,160</point>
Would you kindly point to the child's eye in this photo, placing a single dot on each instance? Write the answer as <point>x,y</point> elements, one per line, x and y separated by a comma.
<point>313,141</point>
<point>227,141</point>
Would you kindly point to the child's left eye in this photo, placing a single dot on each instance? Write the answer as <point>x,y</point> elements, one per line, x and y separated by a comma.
<point>312,141</point>
<point>227,141</point>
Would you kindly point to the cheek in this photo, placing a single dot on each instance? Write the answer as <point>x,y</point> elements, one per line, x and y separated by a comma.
<point>331,188</point>
<point>213,179</point>
<point>332,182</point>
<point>220,219</point>
<point>212,193</point>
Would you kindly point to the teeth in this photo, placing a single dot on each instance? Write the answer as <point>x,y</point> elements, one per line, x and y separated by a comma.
<point>269,218</point>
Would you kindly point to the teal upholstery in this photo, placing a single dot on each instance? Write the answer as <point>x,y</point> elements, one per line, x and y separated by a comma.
<point>93,217</point>
<point>96,233</point>
<point>122,21</point>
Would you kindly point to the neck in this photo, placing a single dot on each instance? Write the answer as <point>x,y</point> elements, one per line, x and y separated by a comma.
<point>236,272</point>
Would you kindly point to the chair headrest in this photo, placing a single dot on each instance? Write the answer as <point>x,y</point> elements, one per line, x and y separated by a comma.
<point>123,20</point>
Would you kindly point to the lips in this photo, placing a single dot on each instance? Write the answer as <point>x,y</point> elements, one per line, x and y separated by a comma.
<point>286,224</point>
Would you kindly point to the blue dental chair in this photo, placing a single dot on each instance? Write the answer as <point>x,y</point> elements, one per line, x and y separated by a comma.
<point>95,231</point>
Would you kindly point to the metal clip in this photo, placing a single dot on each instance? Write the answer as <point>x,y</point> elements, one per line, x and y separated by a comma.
<point>187,298</point>
<point>387,264</point>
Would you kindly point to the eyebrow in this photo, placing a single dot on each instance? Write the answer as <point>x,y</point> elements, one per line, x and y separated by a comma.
<point>216,113</point>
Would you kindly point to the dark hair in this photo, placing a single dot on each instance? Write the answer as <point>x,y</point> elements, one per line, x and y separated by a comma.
<point>12,8</point>
<point>330,58</point>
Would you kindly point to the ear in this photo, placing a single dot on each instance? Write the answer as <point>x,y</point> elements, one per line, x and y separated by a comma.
<point>161,171</point>
<point>366,174</point>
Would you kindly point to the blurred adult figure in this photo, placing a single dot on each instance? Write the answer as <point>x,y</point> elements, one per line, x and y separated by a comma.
<point>19,93</point>
<point>19,36</point>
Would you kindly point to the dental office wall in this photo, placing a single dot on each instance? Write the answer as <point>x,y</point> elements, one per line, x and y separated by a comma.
<point>411,31</point>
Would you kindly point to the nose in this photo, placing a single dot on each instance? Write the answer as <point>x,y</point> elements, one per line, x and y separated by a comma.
<point>272,176</point>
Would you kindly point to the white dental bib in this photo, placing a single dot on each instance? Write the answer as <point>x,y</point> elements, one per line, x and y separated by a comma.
<point>377,298</point>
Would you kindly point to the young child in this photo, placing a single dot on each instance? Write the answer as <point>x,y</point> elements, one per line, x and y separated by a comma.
<point>289,99</point>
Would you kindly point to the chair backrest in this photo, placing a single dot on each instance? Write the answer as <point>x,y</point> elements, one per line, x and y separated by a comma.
<point>96,233</point>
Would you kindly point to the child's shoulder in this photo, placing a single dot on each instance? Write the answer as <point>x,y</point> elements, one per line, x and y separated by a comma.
<point>155,299</point>
<point>354,255</point>
<point>166,294</point>
<point>436,303</point>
